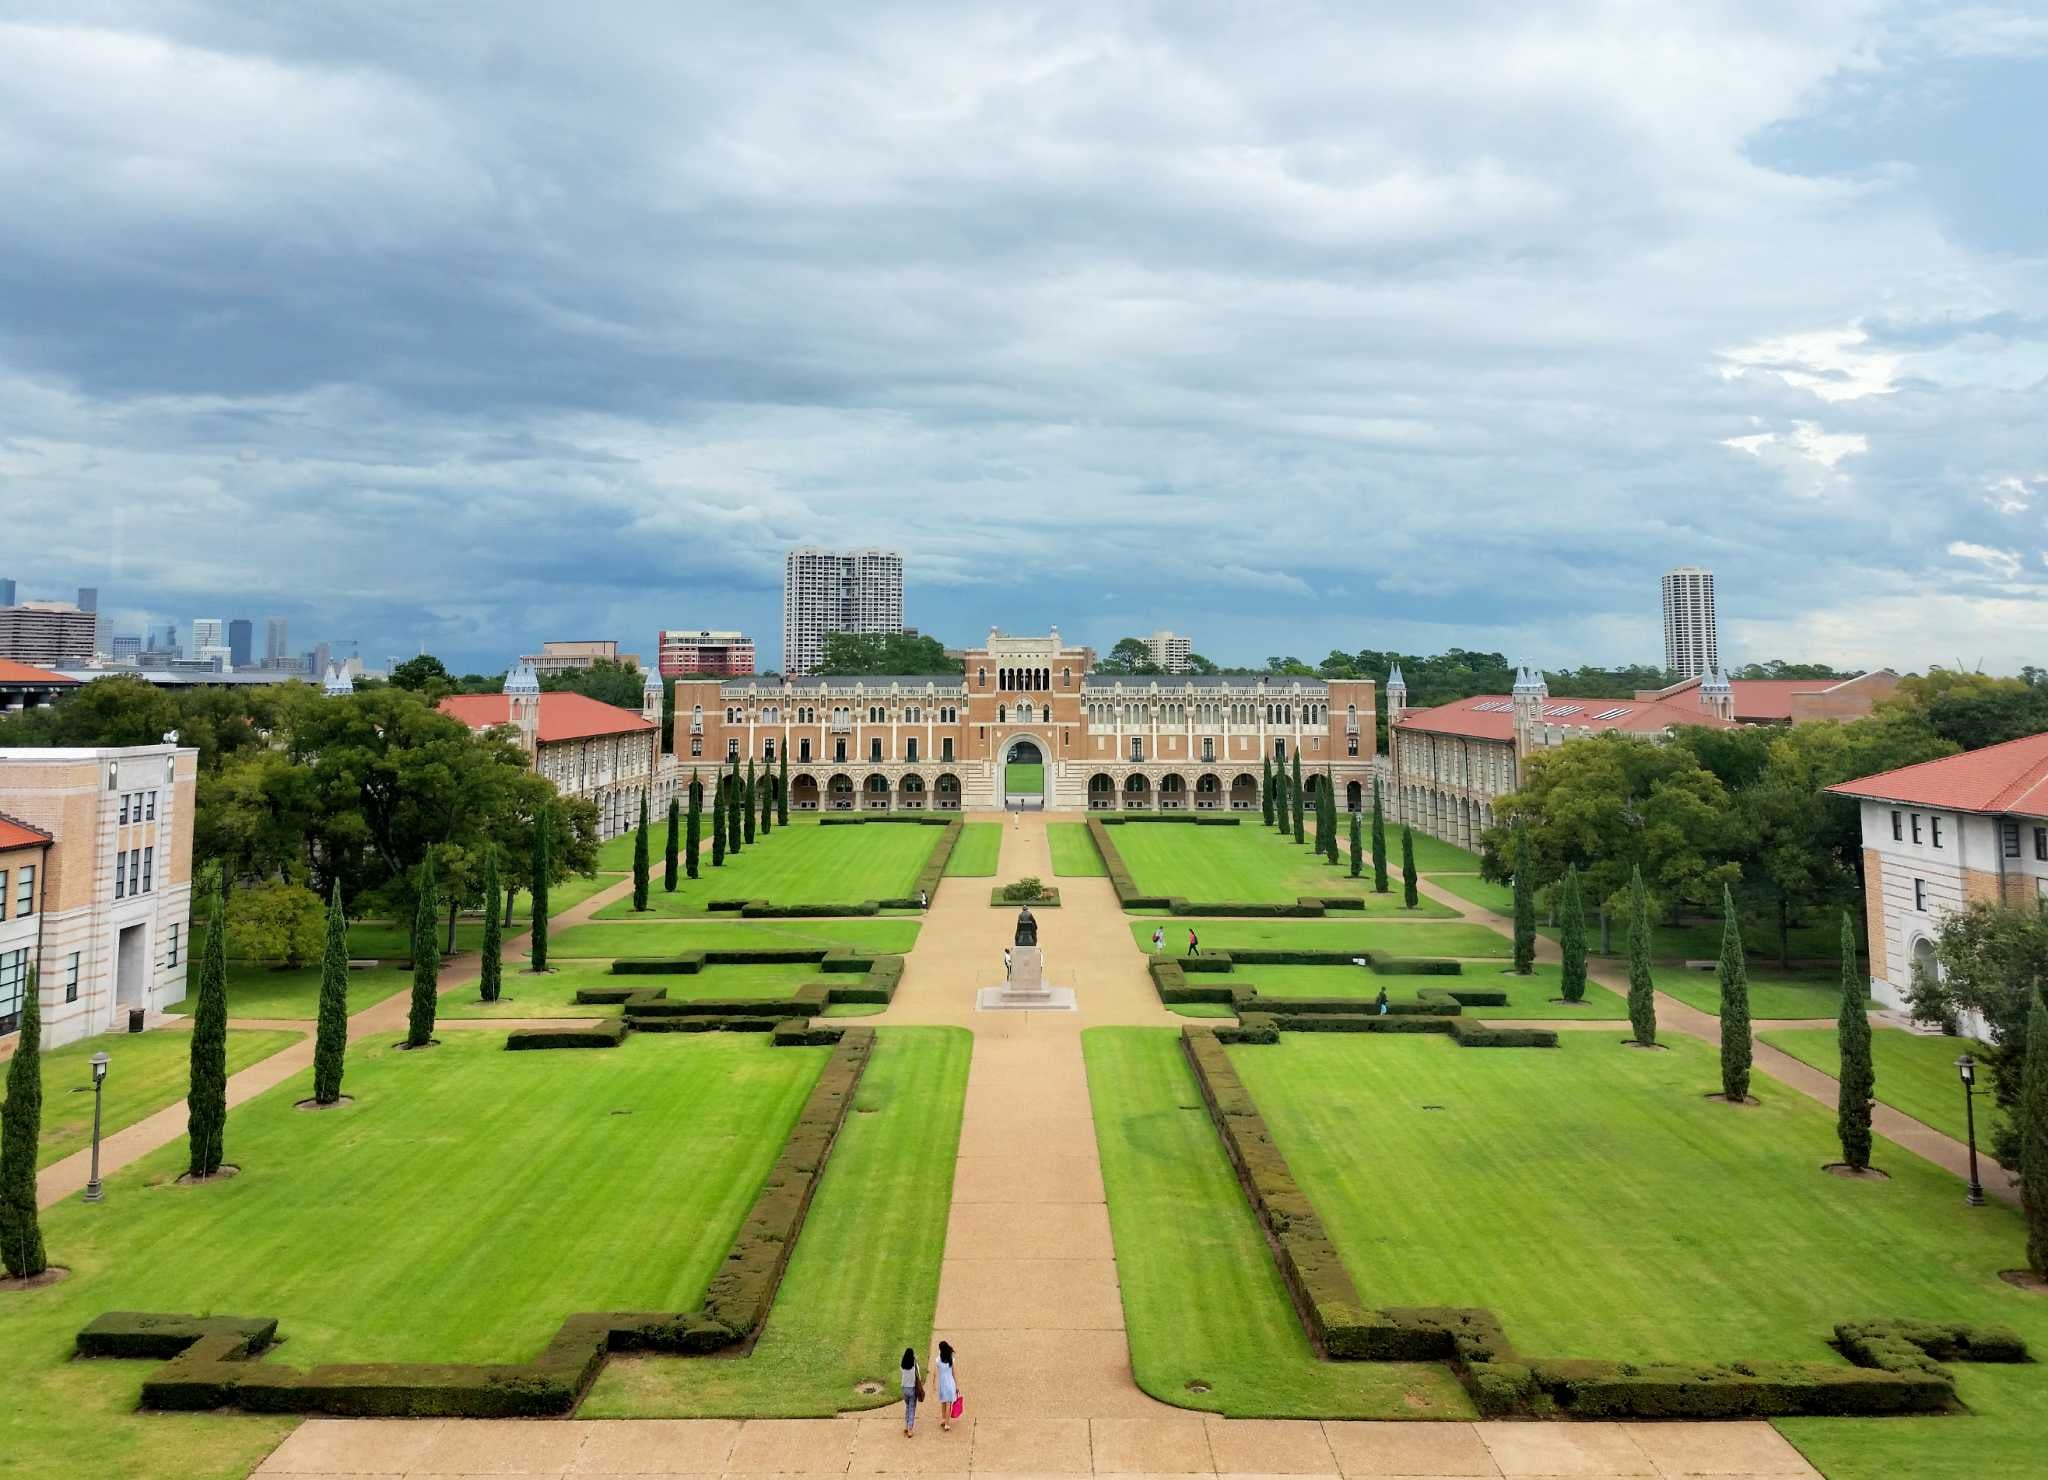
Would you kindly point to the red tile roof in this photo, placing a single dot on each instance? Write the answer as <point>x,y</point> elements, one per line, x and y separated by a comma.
<point>17,834</point>
<point>13,673</point>
<point>563,716</point>
<point>1766,700</point>
<point>2012,777</point>
<point>1491,716</point>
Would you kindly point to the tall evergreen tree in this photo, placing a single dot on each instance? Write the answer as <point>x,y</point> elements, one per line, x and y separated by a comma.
<point>1410,896</point>
<point>1266,790</point>
<point>747,802</point>
<point>782,787</point>
<point>1357,845</point>
<point>718,820</point>
<point>21,1129</point>
<point>330,1038</point>
<point>1642,987</point>
<point>1329,821</point>
<point>2030,1119</point>
<point>642,865</point>
<point>206,1105</point>
<point>694,837</point>
<point>537,939</point>
<point>1736,1049</point>
<point>1300,832</point>
<point>491,972</point>
<point>735,804</point>
<point>1572,938</point>
<point>1379,841</point>
<point>1525,902</point>
<point>1858,1079</point>
<point>426,961</point>
<point>767,801</point>
<point>671,854</point>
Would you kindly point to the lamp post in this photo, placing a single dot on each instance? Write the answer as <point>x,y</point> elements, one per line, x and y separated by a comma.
<point>1966,1068</point>
<point>93,1191</point>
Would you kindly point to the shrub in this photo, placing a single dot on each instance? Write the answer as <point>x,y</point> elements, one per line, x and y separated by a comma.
<point>583,1035</point>
<point>279,922</point>
<point>1025,889</point>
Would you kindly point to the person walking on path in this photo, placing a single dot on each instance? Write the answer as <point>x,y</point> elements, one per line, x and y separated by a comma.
<point>913,1390</point>
<point>1380,1003</point>
<point>1193,943</point>
<point>949,1386</point>
<point>924,900</point>
<point>1006,963</point>
<point>1158,939</point>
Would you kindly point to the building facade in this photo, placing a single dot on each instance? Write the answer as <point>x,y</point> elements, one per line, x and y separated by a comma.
<point>1170,651</point>
<point>50,633</point>
<point>25,686</point>
<point>275,641</point>
<point>1106,742</point>
<point>241,642</point>
<point>1944,834</point>
<point>608,755</point>
<point>97,849</point>
<point>1447,766</point>
<point>1793,701</point>
<point>1692,633</point>
<point>825,591</point>
<point>716,654</point>
<point>564,657</point>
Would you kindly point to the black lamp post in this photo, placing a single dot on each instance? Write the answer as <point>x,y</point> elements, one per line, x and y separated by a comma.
<point>1966,1067</point>
<point>93,1191</point>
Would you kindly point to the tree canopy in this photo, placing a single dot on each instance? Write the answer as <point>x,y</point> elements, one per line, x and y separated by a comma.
<point>855,654</point>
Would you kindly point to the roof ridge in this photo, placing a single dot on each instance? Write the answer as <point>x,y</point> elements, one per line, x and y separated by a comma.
<point>28,826</point>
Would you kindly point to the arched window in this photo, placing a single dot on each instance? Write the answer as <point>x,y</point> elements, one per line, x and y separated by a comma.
<point>981,678</point>
<point>1002,714</point>
<point>1066,678</point>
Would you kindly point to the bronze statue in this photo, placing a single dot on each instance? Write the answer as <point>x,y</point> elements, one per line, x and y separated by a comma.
<point>1027,927</point>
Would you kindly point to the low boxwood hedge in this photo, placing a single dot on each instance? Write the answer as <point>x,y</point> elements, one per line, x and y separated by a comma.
<point>1050,900</point>
<point>607,1034</point>
<point>216,1362</point>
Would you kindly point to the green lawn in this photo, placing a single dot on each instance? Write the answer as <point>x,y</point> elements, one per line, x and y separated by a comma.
<point>1073,851</point>
<point>1496,897</point>
<point>1245,862</point>
<point>1916,1073</point>
<point>553,993</point>
<point>1329,934</point>
<point>889,936</point>
<point>864,1278</point>
<point>1595,1199</point>
<point>1203,1301</point>
<point>1432,856</point>
<point>807,865</point>
<point>576,888</point>
<point>1700,940</point>
<point>259,991</point>
<point>974,855</point>
<point>1772,993</point>
<point>1023,776</point>
<point>145,1072</point>
<point>393,1231</point>
<point>371,940</point>
<point>1528,996</point>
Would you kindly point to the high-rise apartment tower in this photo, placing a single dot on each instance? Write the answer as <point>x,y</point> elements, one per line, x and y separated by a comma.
<point>825,591</point>
<point>1692,640</point>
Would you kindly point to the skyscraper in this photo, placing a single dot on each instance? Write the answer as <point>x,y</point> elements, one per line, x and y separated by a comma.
<point>1170,650</point>
<point>209,640</point>
<point>6,590</point>
<point>274,648</point>
<point>1692,639</point>
<point>89,601</point>
<point>241,638</point>
<point>825,591</point>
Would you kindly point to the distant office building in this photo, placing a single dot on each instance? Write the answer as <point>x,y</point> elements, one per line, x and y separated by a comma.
<point>6,590</point>
<point>718,654</point>
<point>127,649</point>
<point>210,642</point>
<point>241,642</point>
<point>1692,640</point>
<point>274,646</point>
<point>1169,651</point>
<point>89,601</point>
<point>320,659</point>
<point>50,633</point>
<point>824,591</point>
<point>564,657</point>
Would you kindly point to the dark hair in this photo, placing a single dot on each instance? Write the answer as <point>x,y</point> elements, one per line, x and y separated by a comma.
<point>909,1358</point>
<point>946,1352</point>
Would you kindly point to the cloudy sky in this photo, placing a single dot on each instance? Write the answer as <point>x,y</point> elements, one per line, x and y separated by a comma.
<point>1291,326</point>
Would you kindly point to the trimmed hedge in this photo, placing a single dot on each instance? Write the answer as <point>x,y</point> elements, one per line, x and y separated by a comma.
<point>608,1034</point>
<point>1305,907</point>
<point>1896,1364</point>
<point>215,1362</point>
<point>1192,819</point>
<point>1050,900</point>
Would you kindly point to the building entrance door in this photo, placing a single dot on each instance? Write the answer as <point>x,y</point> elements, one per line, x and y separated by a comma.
<point>131,967</point>
<point>1024,774</point>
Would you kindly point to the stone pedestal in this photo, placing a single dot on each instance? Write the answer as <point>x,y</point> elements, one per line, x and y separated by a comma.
<point>1027,987</point>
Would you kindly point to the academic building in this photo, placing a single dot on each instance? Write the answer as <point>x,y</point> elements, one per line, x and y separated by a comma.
<point>1106,742</point>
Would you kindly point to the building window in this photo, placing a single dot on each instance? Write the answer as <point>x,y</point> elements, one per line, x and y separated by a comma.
<point>803,750</point>
<point>1920,894</point>
<point>134,870</point>
<point>1916,829</point>
<point>1898,828</point>
<point>696,747</point>
<point>148,869</point>
<point>981,678</point>
<point>3,893</point>
<point>946,748</point>
<point>910,748</point>
<point>71,979</point>
<point>171,950</point>
<point>1208,748</point>
<point>1137,748</point>
<point>1351,745</point>
<point>875,749</point>
<point>1934,831</point>
<point>768,748</point>
<point>732,748</point>
<point>120,876</point>
<point>124,809</point>
<point>152,807</point>
<point>2009,839</point>
<point>2041,844</point>
<point>13,983</point>
<point>1279,750</point>
<point>838,750</point>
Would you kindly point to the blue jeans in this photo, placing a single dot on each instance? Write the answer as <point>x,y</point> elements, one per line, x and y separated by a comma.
<point>909,1408</point>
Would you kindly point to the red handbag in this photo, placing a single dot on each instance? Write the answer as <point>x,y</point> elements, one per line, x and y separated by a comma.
<point>958,1406</point>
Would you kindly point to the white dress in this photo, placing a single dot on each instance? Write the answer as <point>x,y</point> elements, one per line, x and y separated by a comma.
<point>947,1390</point>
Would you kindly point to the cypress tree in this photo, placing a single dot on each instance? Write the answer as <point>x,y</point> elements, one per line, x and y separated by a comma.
<point>782,788</point>
<point>1858,1079</point>
<point>1572,933</point>
<point>1357,845</point>
<point>1266,790</point>
<point>206,1113</point>
<point>734,805</point>
<point>694,837</point>
<point>767,801</point>
<point>1642,987</point>
<point>670,855</point>
<point>747,802</point>
<point>1329,822</point>
<point>537,941</point>
<point>642,867</point>
<point>1525,903</point>
<point>21,1128</point>
<point>2030,1118</point>
<point>718,820</point>
<point>426,962</point>
<point>1409,896</point>
<point>1379,841</point>
<point>1300,832</point>
<point>330,1038</point>
<point>491,975</point>
<point>1735,1045</point>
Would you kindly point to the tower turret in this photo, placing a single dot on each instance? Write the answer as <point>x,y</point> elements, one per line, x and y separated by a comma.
<point>650,696</point>
<point>522,693</point>
<point>1397,693</point>
<point>338,682</point>
<point>1717,695</point>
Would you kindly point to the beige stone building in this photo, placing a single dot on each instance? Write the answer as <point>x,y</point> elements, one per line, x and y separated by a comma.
<point>1105,742</point>
<point>1790,701</point>
<point>96,854</point>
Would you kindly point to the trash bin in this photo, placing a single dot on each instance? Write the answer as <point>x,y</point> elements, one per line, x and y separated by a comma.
<point>135,1020</point>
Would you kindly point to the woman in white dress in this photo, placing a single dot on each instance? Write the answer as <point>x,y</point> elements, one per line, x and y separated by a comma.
<point>949,1386</point>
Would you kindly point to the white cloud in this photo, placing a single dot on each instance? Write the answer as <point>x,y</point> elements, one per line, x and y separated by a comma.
<point>1831,363</point>
<point>2005,564</point>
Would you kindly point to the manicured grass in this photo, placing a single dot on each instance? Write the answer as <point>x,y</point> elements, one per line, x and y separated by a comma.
<point>1916,1073</point>
<point>553,993</point>
<point>1246,862</point>
<point>1333,934</point>
<point>1023,776</point>
<point>468,1201</point>
<point>1700,940</point>
<point>807,865</point>
<point>1496,897</point>
<point>864,1278</point>
<point>1528,996</point>
<point>1073,851</point>
<point>891,936</point>
<point>259,991</point>
<point>1432,856</point>
<point>576,888</point>
<point>145,1072</point>
<point>974,855</point>
<point>1772,993</point>
<point>370,940</point>
<point>1203,1300</point>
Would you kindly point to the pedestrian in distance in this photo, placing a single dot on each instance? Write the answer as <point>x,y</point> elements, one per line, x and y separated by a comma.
<point>924,900</point>
<point>1193,944</point>
<point>1380,1003</point>
<point>1006,963</point>
<point>913,1391</point>
<point>1158,939</point>
<point>949,1387</point>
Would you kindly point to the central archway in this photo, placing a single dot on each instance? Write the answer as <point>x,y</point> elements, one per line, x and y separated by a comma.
<point>1023,773</point>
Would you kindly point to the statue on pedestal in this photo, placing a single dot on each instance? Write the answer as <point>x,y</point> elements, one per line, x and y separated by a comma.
<point>1027,927</point>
